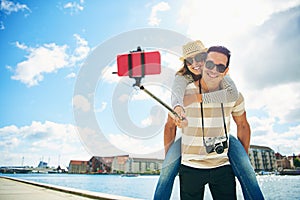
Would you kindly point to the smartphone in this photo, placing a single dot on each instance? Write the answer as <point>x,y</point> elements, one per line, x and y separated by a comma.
<point>139,64</point>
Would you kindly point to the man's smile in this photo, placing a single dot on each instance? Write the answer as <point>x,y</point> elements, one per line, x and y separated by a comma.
<point>212,74</point>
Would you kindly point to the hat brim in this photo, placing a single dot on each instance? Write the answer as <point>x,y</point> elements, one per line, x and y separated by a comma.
<point>203,51</point>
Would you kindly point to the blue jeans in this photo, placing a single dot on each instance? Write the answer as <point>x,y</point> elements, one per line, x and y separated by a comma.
<point>239,161</point>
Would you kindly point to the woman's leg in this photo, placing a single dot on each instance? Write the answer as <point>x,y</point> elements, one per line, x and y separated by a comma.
<point>168,172</point>
<point>243,170</point>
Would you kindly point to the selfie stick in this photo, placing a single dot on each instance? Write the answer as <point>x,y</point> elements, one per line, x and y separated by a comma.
<point>161,102</point>
<point>138,80</point>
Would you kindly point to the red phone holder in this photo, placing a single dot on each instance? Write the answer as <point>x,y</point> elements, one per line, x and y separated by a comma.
<point>139,63</point>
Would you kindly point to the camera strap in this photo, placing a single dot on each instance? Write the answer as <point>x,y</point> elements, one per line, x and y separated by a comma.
<point>202,114</point>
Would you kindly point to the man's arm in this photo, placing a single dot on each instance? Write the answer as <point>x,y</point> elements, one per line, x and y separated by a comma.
<point>169,133</point>
<point>243,130</point>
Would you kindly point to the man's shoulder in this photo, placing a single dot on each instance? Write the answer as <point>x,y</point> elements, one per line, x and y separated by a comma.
<point>240,98</point>
<point>239,106</point>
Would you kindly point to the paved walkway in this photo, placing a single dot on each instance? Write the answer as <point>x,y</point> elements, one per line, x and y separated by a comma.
<point>17,189</point>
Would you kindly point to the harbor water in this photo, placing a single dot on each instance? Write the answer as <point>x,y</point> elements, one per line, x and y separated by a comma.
<point>274,187</point>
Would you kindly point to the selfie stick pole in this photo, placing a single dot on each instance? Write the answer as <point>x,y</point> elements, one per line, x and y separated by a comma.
<point>161,102</point>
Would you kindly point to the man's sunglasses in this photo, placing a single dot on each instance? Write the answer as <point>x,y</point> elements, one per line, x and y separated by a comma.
<point>210,65</point>
<point>200,57</point>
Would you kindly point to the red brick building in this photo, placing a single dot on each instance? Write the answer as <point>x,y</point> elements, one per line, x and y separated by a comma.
<point>78,167</point>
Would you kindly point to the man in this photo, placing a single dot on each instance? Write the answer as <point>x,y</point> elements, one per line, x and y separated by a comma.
<point>238,157</point>
<point>205,139</point>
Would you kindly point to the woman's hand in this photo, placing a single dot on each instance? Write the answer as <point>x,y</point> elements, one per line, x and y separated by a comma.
<point>182,121</point>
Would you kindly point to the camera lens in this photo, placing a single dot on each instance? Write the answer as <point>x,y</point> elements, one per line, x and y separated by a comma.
<point>219,149</point>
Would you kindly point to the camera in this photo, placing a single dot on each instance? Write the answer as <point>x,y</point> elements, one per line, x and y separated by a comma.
<point>216,144</point>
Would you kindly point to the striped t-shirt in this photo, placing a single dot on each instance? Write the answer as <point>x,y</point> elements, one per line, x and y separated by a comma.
<point>193,150</point>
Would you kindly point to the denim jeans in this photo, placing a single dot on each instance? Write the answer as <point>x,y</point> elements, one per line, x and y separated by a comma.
<point>239,161</point>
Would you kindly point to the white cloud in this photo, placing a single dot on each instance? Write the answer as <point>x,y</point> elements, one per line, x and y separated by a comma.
<point>286,142</point>
<point>108,76</point>
<point>262,125</point>
<point>81,51</point>
<point>8,7</point>
<point>71,75</point>
<point>44,59</point>
<point>134,146</point>
<point>8,129</point>
<point>48,140</point>
<point>48,58</point>
<point>102,107</point>
<point>147,121</point>
<point>74,7</point>
<point>81,103</point>
<point>153,19</point>
<point>272,124</point>
<point>277,101</point>
<point>2,27</point>
<point>214,24</point>
<point>21,46</point>
<point>157,115</point>
<point>10,143</point>
<point>156,90</point>
<point>123,98</point>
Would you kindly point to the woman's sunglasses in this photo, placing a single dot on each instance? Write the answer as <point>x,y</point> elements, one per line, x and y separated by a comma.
<point>210,65</point>
<point>200,57</point>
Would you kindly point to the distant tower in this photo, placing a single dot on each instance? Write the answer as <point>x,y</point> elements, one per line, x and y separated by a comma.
<point>22,161</point>
<point>58,160</point>
<point>42,164</point>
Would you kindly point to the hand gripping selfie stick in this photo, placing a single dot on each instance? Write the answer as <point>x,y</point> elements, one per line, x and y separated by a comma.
<point>142,75</point>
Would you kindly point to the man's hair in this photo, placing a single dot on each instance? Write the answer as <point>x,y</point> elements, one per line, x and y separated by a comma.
<point>221,49</point>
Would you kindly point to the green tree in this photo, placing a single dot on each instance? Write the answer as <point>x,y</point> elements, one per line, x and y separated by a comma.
<point>297,162</point>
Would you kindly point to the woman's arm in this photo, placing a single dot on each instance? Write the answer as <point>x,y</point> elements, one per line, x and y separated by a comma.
<point>178,90</point>
<point>229,92</point>
<point>169,133</point>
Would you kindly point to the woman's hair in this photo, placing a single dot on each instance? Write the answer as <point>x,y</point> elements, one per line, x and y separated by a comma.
<point>184,71</point>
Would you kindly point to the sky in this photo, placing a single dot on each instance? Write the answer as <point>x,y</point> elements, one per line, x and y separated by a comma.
<point>61,102</point>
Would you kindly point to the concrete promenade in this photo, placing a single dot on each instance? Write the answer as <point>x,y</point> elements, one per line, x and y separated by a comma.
<point>17,189</point>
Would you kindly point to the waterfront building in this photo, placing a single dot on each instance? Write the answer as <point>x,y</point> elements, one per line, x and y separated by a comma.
<point>292,160</point>
<point>286,162</point>
<point>262,158</point>
<point>99,164</point>
<point>282,162</point>
<point>116,164</point>
<point>127,164</point>
<point>146,165</point>
<point>78,167</point>
<point>122,164</point>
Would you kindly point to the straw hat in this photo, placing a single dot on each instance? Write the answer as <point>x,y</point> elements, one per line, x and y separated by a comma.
<point>192,48</point>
